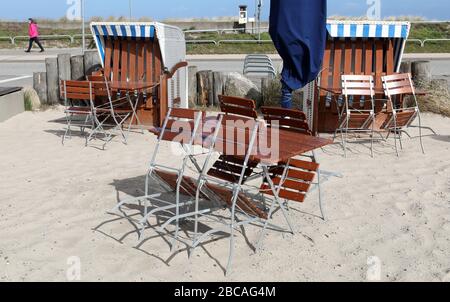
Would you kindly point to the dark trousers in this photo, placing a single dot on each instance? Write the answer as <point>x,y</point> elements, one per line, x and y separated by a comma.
<point>286,96</point>
<point>35,40</point>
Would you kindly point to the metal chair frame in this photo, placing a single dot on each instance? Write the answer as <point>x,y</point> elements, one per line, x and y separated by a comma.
<point>357,85</point>
<point>72,110</point>
<point>399,85</point>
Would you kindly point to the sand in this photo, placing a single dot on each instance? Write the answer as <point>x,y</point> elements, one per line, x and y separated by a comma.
<point>388,210</point>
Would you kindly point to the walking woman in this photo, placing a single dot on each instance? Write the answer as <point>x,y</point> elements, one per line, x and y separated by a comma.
<point>33,32</point>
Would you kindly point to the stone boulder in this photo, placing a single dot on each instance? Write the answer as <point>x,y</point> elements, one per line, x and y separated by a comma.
<point>235,84</point>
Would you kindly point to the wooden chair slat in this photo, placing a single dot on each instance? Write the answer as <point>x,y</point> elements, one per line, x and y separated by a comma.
<point>292,184</point>
<point>398,91</point>
<point>301,164</point>
<point>285,194</point>
<point>358,57</point>
<point>116,61</point>
<point>275,112</point>
<point>140,60</point>
<point>231,100</point>
<point>348,57</point>
<point>190,114</point>
<point>124,60</point>
<point>149,74</point>
<point>108,57</point>
<point>132,67</point>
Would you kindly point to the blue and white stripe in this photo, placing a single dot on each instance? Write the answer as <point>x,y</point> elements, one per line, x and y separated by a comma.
<point>368,30</point>
<point>129,31</point>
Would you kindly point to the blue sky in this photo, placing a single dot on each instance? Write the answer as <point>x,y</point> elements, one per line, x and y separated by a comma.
<point>161,9</point>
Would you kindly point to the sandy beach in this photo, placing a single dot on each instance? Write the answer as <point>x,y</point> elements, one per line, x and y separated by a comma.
<point>53,197</point>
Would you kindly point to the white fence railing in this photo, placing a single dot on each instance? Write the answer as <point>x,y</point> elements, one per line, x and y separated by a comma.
<point>72,39</point>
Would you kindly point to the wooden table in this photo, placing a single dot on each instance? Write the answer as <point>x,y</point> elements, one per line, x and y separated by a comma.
<point>235,137</point>
<point>288,144</point>
<point>133,89</point>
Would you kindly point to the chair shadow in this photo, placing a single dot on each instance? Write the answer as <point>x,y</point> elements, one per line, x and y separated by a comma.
<point>131,213</point>
<point>442,138</point>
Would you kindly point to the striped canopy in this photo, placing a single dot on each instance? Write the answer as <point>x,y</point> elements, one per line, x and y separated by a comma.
<point>368,29</point>
<point>129,31</point>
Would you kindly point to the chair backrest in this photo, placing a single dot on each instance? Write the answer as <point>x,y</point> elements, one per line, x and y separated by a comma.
<point>77,90</point>
<point>231,105</point>
<point>297,184</point>
<point>96,78</point>
<point>133,60</point>
<point>358,85</point>
<point>398,84</point>
<point>181,123</point>
<point>287,119</point>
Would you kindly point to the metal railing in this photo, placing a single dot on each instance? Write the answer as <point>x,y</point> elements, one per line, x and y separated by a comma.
<point>201,42</point>
<point>222,31</point>
<point>44,37</point>
<point>423,42</point>
<point>243,41</point>
<point>73,38</point>
<point>7,39</point>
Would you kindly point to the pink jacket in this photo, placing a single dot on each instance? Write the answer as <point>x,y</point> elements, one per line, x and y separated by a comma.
<point>33,31</point>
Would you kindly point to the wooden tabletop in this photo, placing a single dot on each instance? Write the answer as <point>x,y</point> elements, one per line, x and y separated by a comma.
<point>271,147</point>
<point>132,86</point>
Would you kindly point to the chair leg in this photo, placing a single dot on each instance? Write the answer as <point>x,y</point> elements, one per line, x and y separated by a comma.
<point>395,138</point>
<point>346,137</point>
<point>321,205</point>
<point>146,206</point>
<point>420,133</point>
<point>373,134</point>
<point>399,133</point>
<point>68,119</point>
<point>233,221</point>
<point>177,222</point>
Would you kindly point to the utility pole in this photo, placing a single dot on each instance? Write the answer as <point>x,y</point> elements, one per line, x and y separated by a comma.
<point>83,27</point>
<point>260,4</point>
<point>130,7</point>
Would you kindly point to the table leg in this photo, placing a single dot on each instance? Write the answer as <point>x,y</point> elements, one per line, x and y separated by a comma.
<point>272,208</point>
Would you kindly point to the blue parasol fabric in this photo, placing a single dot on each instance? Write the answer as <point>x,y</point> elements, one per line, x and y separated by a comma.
<point>299,31</point>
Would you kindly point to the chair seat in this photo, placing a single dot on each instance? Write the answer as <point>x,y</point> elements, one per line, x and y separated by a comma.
<point>79,110</point>
<point>189,188</point>
<point>244,203</point>
<point>118,111</point>
<point>297,182</point>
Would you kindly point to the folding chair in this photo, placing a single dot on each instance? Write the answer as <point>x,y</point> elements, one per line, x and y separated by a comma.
<point>296,121</point>
<point>287,119</point>
<point>401,118</point>
<point>80,91</point>
<point>181,126</point>
<point>229,168</point>
<point>357,115</point>
<point>227,189</point>
<point>117,110</point>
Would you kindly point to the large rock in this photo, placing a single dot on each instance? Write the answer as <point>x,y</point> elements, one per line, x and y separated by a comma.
<point>235,84</point>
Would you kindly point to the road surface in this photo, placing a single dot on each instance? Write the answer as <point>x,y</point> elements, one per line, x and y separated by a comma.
<point>17,67</point>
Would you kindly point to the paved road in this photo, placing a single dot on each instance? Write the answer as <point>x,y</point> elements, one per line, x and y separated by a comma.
<point>16,67</point>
